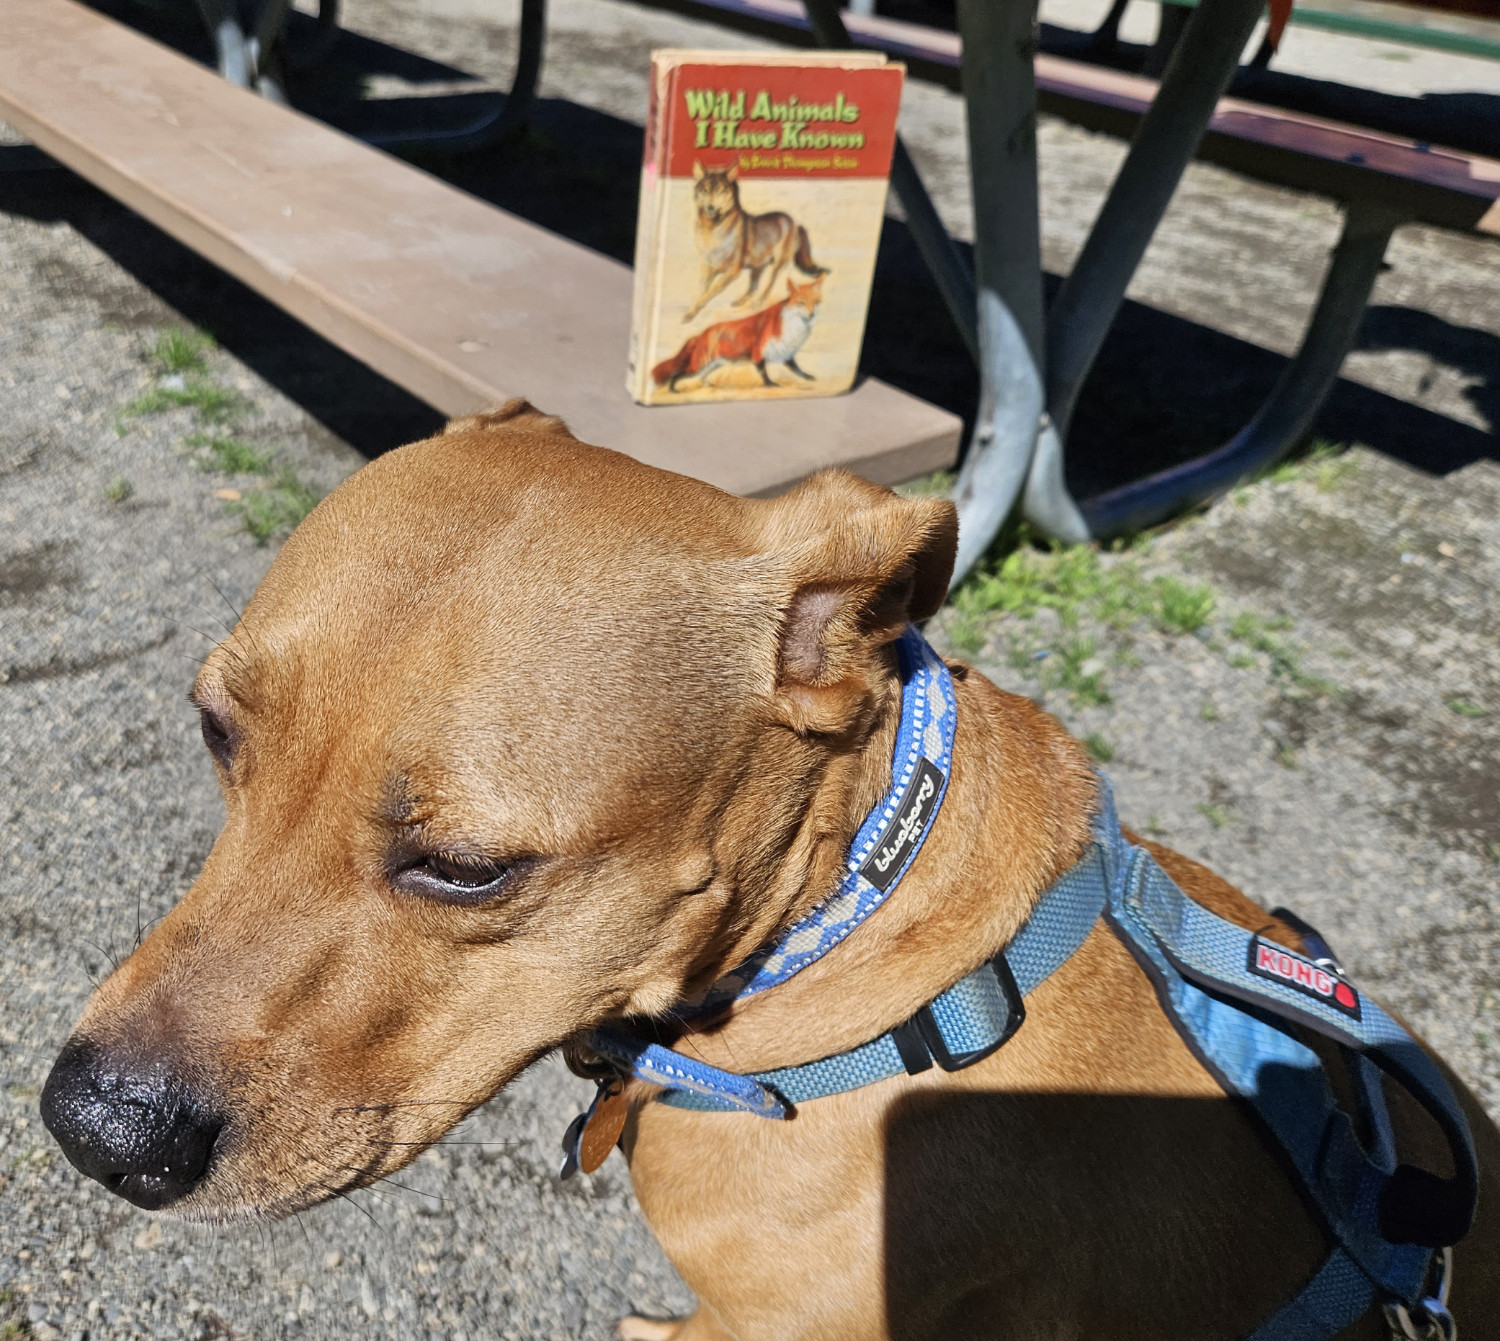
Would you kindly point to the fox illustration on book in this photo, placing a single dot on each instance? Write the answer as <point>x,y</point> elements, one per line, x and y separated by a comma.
<point>731,241</point>
<point>775,334</point>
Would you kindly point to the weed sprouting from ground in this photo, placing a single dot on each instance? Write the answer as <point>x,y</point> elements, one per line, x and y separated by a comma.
<point>1284,661</point>
<point>1325,463</point>
<point>229,455</point>
<point>276,508</point>
<point>1100,748</point>
<point>214,404</point>
<point>1216,815</point>
<point>184,381</point>
<point>939,484</point>
<point>1182,607</point>
<point>1110,594</point>
<point>181,351</point>
<point>1078,671</point>
<point>1464,708</point>
<point>118,489</point>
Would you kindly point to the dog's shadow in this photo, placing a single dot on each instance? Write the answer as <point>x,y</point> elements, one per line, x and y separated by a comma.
<point>1146,1208</point>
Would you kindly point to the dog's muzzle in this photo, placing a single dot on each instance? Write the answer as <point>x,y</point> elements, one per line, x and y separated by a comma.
<point>136,1128</point>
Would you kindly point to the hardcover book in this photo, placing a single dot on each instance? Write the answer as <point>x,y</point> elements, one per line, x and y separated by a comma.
<point>762,195</point>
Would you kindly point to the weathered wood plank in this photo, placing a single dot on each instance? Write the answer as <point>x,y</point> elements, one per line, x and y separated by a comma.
<point>457,301</point>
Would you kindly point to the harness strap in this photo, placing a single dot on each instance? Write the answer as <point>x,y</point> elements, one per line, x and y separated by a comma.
<point>1340,1294</point>
<point>1234,998</point>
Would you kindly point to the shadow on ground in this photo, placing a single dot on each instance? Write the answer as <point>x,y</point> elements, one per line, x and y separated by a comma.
<point>1163,391</point>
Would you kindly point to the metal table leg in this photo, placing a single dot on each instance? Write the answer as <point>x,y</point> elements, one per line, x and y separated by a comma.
<point>1090,298</point>
<point>253,61</point>
<point>1289,410</point>
<point>1105,39</point>
<point>999,38</point>
<point>494,127</point>
<point>1023,418</point>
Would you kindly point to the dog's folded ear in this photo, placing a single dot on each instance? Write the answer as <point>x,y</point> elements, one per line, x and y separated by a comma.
<point>517,412</point>
<point>855,564</point>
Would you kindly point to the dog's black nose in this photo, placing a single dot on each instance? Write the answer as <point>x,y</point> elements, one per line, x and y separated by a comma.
<point>138,1129</point>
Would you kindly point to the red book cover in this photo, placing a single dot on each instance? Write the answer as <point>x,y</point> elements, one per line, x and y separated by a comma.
<point>762,196</point>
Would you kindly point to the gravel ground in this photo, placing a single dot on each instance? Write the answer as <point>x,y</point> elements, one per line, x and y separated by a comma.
<point>1339,754</point>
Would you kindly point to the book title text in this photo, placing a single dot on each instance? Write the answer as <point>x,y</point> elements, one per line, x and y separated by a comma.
<point>721,121</point>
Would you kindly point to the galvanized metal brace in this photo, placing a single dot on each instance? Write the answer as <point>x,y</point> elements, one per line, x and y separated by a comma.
<point>1031,369</point>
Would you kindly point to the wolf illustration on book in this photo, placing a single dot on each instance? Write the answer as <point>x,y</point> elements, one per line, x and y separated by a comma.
<point>775,334</point>
<point>731,241</point>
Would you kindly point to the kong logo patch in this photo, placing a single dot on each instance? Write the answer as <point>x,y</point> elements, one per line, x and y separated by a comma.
<point>906,828</point>
<point>1292,970</point>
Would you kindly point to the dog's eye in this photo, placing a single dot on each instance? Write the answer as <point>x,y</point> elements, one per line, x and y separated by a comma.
<point>454,879</point>
<point>218,735</point>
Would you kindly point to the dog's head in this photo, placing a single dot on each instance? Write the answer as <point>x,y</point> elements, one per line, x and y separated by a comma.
<point>517,736</point>
<point>716,192</point>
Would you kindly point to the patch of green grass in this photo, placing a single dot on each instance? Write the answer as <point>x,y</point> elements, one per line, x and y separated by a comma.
<point>1072,673</point>
<point>1100,748</point>
<point>216,404</point>
<point>1208,713</point>
<point>1075,582</point>
<point>1325,463</point>
<point>1256,633</point>
<point>181,351</point>
<point>1286,756</point>
<point>229,455</point>
<point>118,489</point>
<point>1182,607</point>
<point>1464,708</point>
<point>275,508</point>
<point>1216,815</point>
<point>939,484</point>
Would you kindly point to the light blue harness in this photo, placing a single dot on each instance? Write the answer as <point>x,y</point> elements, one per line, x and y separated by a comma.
<point>1235,999</point>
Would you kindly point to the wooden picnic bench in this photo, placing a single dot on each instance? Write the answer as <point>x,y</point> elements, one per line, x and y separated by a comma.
<point>455,300</point>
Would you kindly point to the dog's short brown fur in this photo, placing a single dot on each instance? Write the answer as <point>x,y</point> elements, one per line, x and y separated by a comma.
<point>670,708</point>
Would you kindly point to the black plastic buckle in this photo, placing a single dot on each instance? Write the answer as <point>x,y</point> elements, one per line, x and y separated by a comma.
<point>920,1041</point>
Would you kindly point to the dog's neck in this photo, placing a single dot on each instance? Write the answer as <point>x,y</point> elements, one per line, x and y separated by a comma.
<point>1017,814</point>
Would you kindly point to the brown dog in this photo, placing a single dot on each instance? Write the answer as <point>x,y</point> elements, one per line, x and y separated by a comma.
<point>519,736</point>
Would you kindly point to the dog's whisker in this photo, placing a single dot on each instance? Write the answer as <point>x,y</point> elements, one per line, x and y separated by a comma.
<point>233,609</point>
<point>363,1210</point>
<point>108,954</point>
<point>391,1182</point>
<point>183,624</point>
<point>415,1191</point>
<point>204,610</point>
<point>432,1144</point>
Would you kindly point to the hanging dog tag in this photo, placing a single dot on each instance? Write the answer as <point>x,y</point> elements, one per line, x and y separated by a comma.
<point>606,1120</point>
<point>592,1134</point>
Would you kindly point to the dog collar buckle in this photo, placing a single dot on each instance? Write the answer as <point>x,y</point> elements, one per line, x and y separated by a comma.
<point>921,1040</point>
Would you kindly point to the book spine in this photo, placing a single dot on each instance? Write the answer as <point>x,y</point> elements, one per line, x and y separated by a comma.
<point>650,223</point>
